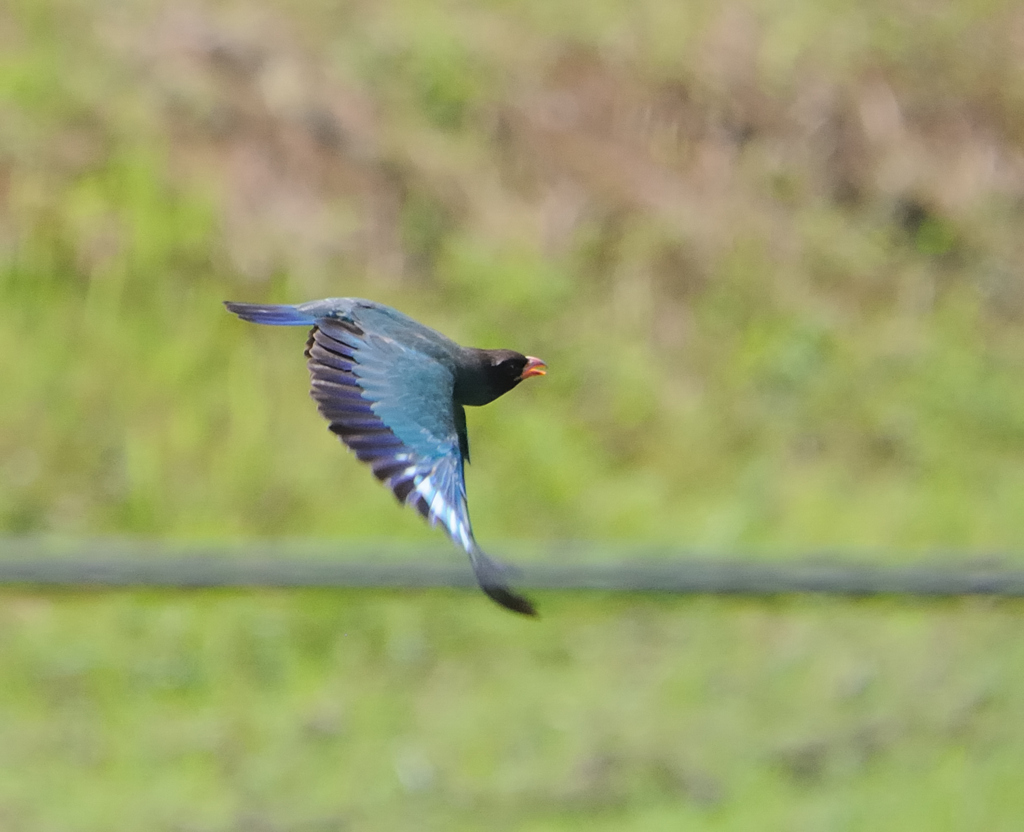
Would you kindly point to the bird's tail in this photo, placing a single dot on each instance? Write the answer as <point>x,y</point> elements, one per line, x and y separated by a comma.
<point>492,575</point>
<point>270,313</point>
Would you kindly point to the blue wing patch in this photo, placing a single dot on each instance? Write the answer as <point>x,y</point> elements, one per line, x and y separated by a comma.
<point>405,431</point>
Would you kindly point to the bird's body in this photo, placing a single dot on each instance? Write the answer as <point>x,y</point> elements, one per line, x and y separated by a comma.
<point>394,390</point>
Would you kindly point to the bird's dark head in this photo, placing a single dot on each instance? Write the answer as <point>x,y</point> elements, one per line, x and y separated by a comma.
<point>491,373</point>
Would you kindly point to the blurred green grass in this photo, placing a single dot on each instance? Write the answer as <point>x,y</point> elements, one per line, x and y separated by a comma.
<point>344,710</point>
<point>771,253</point>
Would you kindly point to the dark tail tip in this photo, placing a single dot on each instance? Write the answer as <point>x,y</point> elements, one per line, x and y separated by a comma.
<point>490,574</point>
<point>510,600</point>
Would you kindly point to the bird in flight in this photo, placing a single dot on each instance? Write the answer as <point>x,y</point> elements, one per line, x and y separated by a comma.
<point>394,391</point>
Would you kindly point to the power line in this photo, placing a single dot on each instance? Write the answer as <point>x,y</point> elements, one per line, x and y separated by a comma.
<point>28,565</point>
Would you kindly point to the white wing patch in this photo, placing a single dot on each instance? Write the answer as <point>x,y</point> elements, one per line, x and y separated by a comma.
<point>444,497</point>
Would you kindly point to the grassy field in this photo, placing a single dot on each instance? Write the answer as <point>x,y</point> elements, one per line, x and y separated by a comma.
<point>771,253</point>
<point>341,711</point>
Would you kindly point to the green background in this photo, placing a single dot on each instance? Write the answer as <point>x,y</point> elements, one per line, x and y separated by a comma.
<point>772,255</point>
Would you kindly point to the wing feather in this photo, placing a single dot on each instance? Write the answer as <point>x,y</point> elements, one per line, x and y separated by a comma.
<point>393,407</point>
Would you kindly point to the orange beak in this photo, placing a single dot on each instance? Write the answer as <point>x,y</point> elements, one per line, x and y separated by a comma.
<point>534,367</point>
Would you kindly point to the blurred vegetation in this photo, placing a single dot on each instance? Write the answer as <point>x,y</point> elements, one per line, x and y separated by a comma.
<point>771,252</point>
<point>324,712</point>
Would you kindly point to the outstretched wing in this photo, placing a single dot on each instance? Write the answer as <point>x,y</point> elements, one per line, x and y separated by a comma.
<point>393,407</point>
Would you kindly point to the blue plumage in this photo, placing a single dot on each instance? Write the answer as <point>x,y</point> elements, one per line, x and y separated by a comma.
<point>393,390</point>
<point>272,313</point>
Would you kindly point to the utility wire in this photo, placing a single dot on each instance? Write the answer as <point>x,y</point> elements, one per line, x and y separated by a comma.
<point>29,565</point>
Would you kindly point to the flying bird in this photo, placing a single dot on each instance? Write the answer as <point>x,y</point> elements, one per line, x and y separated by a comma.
<point>395,392</point>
